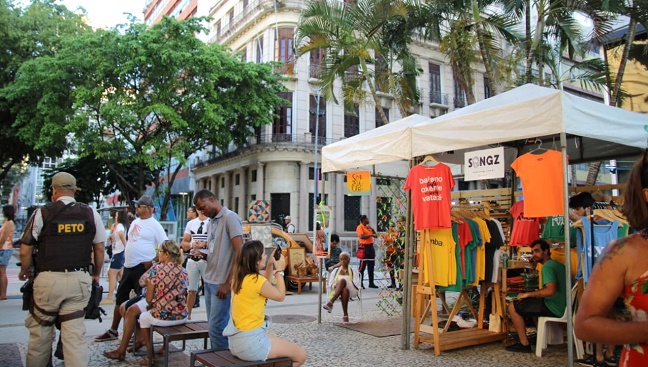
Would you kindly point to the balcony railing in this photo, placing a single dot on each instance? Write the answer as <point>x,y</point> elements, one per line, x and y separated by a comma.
<point>306,138</point>
<point>460,102</point>
<point>439,98</point>
<point>314,71</point>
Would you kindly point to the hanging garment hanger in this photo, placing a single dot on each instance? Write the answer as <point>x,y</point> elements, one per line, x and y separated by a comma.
<point>429,161</point>
<point>539,149</point>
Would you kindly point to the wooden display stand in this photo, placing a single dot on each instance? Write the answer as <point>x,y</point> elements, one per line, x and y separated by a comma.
<point>425,308</point>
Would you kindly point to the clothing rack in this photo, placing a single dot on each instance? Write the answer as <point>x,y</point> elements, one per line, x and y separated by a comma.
<point>427,319</point>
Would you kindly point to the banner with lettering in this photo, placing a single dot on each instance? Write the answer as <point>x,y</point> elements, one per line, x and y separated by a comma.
<point>359,183</point>
<point>484,164</point>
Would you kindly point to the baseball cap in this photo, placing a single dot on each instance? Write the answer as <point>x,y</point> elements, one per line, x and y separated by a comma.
<point>287,217</point>
<point>65,181</point>
<point>144,200</point>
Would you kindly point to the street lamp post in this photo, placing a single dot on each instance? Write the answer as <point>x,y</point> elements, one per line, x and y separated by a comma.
<point>316,180</point>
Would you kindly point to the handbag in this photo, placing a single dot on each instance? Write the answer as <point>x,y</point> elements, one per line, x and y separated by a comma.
<point>495,323</point>
<point>360,254</point>
<point>172,287</point>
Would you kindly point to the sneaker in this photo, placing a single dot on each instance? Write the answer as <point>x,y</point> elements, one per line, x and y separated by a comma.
<point>108,335</point>
<point>373,286</point>
<point>519,347</point>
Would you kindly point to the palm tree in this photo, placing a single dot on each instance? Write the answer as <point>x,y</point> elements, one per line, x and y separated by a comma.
<point>363,42</point>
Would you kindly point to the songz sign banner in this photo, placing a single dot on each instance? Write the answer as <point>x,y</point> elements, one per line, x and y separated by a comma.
<point>484,164</point>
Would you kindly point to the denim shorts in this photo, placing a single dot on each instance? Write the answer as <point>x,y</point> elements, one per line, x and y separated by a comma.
<point>117,261</point>
<point>5,257</point>
<point>251,345</point>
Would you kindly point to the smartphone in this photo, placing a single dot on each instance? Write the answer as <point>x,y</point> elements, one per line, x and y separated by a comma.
<point>277,254</point>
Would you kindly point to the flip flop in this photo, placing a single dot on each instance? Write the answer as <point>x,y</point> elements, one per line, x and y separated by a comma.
<point>328,307</point>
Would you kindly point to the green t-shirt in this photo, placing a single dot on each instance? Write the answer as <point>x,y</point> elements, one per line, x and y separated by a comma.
<point>554,272</point>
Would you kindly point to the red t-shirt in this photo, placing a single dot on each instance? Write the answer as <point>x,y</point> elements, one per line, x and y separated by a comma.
<point>431,187</point>
<point>542,183</point>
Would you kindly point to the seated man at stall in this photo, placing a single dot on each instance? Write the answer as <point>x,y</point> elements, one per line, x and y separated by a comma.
<point>550,300</point>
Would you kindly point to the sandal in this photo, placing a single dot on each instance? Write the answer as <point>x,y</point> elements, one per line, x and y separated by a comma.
<point>345,319</point>
<point>147,362</point>
<point>114,354</point>
<point>138,345</point>
<point>328,306</point>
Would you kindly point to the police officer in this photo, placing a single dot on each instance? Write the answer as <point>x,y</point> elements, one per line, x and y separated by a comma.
<point>65,235</point>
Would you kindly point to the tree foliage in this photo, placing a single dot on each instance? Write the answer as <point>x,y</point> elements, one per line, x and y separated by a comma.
<point>37,30</point>
<point>137,98</point>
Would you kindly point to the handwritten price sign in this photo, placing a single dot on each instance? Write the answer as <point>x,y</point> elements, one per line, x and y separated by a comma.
<point>359,183</point>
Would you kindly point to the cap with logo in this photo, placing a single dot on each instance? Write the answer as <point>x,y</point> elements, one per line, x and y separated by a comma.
<point>64,181</point>
<point>144,200</point>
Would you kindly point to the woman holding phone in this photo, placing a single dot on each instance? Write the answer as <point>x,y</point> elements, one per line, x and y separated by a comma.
<point>246,329</point>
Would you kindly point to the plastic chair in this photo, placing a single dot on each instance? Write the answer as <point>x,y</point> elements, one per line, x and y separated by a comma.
<point>337,314</point>
<point>552,332</point>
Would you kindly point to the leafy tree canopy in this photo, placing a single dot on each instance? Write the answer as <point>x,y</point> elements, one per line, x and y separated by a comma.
<point>140,97</point>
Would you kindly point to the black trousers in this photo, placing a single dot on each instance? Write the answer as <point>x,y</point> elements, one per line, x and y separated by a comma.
<point>368,263</point>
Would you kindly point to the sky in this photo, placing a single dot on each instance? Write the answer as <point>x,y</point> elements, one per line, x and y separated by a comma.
<point>107,14</point>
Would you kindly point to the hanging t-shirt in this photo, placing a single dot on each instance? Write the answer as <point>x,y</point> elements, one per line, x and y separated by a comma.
<point>480,263</point>
<point>603,234</point>
<point>554,230</point>
<point>465,237</point>
<point>491,246</point>
<point>542,183</point>
<point>458,286</point>
<point>525,230</point>
<point>442,246</point>
<point>431,187</point>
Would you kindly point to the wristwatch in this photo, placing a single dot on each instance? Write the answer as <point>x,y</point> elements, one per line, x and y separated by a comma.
<point>279,272</point>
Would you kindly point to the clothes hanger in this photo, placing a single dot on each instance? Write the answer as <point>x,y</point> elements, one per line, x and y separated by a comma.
<point>539,148</point>
<point>429,159</point>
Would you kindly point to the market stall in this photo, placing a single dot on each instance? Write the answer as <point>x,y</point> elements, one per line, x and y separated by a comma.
<point>583,129</point>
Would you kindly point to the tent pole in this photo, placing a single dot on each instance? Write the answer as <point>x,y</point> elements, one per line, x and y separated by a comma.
<point>407,273</point>
<point>568,278</point>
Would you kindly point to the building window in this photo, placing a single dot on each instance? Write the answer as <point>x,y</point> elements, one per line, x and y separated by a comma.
<point>222,182</point>
<point>435,84</point>
<point>351,212</point>
<point>236,204</point>
<point>352,122</point>
<point>459,96</point>
<point>282,126</point>
<point>253,176</point>
<point>487,90</point>
<point>380,69</point>
<point>218,29</point>
<point>316,58</point>
<point>258,46</point>
<point>230,16</point>
<point>243,54</point>
<point>379,120</point>
<point>237,179</point>
<point>313,115</point>
<point>253,197</point>
<point>284,48</point>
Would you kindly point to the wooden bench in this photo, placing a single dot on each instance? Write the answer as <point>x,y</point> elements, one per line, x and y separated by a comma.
<point>307,279</point>
<point>184,332</point>
<point>225,358</point>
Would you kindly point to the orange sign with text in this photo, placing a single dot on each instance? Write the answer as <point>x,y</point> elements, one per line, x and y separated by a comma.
<point>359,183</point>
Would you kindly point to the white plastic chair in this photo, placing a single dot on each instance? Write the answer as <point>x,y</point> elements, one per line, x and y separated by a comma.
<point>336,314</point>
<point>551,333</point>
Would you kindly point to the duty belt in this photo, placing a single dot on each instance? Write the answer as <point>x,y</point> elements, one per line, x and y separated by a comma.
<point>70,270</point>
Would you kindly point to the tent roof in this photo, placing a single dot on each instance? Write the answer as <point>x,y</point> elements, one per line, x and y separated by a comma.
<point>521,113</point>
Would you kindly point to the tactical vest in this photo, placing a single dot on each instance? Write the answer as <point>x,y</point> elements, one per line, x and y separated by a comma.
<point>65,241</point>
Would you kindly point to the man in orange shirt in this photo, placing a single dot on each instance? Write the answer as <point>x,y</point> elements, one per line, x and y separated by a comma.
<point>366,236</point>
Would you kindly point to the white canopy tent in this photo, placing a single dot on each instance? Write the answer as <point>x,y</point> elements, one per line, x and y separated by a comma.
<point>524,112</point>
<point>591,130</point>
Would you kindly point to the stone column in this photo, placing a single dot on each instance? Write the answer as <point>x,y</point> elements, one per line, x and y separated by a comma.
<point>260,195</point>
<point>303,201</point>
<point>226,192</point>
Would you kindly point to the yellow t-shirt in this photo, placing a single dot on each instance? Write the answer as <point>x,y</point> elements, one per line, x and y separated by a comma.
<point>248,306</point>
<point>442,246</point>
<point>480,266</point>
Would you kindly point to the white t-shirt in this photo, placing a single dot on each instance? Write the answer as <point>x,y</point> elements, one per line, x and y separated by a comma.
<point>118,245</point>
<point>193,227</point>
<point>143,236</point>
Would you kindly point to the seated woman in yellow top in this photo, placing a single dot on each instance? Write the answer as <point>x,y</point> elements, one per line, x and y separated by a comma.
<point>250,291</point>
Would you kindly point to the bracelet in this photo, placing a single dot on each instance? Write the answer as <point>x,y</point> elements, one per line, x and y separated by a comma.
<point>278,272</point>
